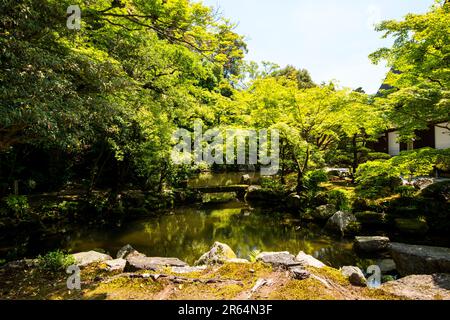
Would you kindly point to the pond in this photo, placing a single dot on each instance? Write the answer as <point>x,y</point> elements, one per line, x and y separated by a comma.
<point>188,232</point>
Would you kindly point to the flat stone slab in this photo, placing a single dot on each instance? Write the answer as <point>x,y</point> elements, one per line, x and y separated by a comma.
<point>371,244</point>
<point>307,260</point>
<point>142,262</point>
<point>83,259</point>
<point>278,259</point>
<point>420,287</point>
<point>414,259</point>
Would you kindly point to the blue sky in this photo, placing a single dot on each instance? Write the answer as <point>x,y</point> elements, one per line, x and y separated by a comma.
<point>330,38</point>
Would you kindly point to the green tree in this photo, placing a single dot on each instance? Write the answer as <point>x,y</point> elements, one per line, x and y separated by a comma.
<point>418,86</point>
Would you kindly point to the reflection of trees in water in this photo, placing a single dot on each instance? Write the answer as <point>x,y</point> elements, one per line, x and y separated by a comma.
<point>191,232</point>
<point>336,255</point>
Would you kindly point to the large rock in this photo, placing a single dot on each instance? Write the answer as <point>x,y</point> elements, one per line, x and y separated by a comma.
<point>420,287</point>
<point>125,251</point>
<point>324,212</point>
<point>219,254</point>
<point>309,261</point>
<point>354,275</point>
<point>283,260</point>
<point>138,261</point>
<point>371,244</point>
<point>439,191</point>
<point>413,259</point>
<point>83,259</point>
<point>341,222</point>
<point>412,226</point>
<point>422,183</point>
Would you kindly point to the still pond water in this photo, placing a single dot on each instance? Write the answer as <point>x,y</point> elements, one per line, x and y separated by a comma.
<point>188,232</point>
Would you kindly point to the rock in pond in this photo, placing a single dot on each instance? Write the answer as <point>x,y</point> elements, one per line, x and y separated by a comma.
<point>283,260</point>
<point>371,244</point>
<point>414,259</point>
<point>83,259</point>
<point>354,275</point>
<point>116,265</point>
<point>420,287</point>
<point>307,260</point>
<point>342,222</point>
<point>324,212</point>
<point>218,254</point>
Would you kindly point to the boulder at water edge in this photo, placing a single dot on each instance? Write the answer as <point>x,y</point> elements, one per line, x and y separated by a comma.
<point>83,259</point>
<point>413,259</point>
<point>283,260</point>
<point>309,261</point>
<point>218,254</point>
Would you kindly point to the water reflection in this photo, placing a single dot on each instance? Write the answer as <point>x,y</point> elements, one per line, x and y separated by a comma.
<point>188,232</point>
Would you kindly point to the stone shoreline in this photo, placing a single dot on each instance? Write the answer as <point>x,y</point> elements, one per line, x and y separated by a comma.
<point>219,274</point>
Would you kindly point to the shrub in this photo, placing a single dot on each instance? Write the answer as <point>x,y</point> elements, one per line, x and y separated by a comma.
<point>378,156</point>
<point>313,179</point>
<point>377,179</point>
<point>270,183</point>
<point>17,205</point>
<point>55,261</point>
<point>406,191</point>
<point>360,205</point>
<point>339,199</point>
<point>253,254</point>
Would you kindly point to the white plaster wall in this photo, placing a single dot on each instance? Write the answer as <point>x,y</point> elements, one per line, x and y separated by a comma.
<point>442,137</point>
